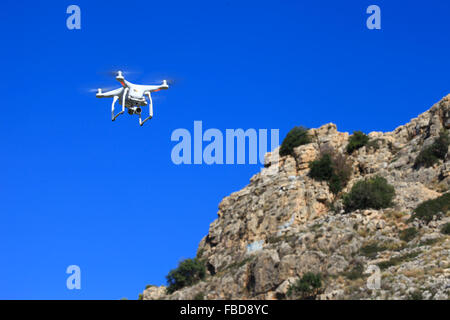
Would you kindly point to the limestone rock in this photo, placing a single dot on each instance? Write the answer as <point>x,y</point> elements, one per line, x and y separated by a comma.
<point>281,225</point>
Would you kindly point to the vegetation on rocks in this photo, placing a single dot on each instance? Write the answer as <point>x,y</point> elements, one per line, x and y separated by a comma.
<point>374,193</point>
<point>333,167</point>
<point>289,223</point>
<point>356,272</point>
<point>189,272</point>
<point>371,250</point>
<point>296,137</point>
<point>307,287</point>
<point>433,153</point>
<point>429,209</point>
<point>446,228</point>
<point>415,295</point>
<point>199,296</point>
<point>321,169</point>
<point>397,260</point>
<point>357,140</point>
<point>408,234</point>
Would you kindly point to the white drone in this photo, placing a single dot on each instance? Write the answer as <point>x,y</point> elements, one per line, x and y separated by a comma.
<point>132,97</point>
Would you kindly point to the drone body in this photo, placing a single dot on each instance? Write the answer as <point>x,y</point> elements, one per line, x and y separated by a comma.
<point>132,96</point>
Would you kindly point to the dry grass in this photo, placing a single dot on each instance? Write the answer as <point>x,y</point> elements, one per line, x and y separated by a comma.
<point>415,273</point>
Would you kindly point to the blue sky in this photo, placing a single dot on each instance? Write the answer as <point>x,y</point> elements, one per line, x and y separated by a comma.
<point>76,188</point>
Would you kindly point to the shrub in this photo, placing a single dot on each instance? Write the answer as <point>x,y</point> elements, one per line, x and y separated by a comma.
<point>374,144</point>
<point>307,287</point>
<point>374,193</point>
<point>415,295</point>
<point>371,250</point>
<point>357,140</point>
<point>397,260</point>
<point>336,184</point>
<point>321,169</point>
<point>430,208</point>
<point>356,273</point>
<point>408,234</point>
<point>342,170</point>
<point>332,167</point>
<point>296,137</point>
<point>199,296</point>
<point>189,272</point>
<point>446,228</point>
<point>433,153</point>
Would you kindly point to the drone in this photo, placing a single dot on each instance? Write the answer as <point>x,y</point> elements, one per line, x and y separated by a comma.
<point>132,97</point>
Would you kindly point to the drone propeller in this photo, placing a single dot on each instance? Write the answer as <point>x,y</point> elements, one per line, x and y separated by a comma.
<point>170,82</point>
<point>114,73</point>
<point>101,89</point>
<point>158,81</point>
<point>156,78</point>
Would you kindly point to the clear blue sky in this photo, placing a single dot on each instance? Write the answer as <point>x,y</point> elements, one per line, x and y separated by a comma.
<point>76,188</point>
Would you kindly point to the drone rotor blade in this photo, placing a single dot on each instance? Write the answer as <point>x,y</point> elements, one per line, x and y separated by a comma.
<point>103,89</point>
<point>114,73</point>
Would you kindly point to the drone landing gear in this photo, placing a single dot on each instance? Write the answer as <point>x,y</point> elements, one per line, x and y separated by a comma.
<point>114,117</point>
<point>150,111</point>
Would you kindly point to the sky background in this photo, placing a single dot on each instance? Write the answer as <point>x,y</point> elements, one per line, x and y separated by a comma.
<point>76,188</point>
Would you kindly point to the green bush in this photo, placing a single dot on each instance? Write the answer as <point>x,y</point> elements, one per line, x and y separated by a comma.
<point>446,228</point>
<point>322,168</point>
<point>415,295</point>
<point>357,140</point>
<point>307,287</point>
<point>342,170</point>
<point>371,250</point>
<point>199,296</point>
<point>336,184</point>
<point>374,144</point>
<point>433,153</point>
<point>374,193</point>
<point>408,234</point>
<point>332,167</point>
<point>356,273</point>
<point>189,272</point>
<point>296,137</point>
<point>430,208</point>
<point>398,260</point>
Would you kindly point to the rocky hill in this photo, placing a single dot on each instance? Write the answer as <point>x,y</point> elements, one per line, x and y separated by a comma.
<point>285,224</point>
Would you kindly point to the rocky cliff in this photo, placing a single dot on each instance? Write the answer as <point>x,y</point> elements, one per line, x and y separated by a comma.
<point>282,225</point>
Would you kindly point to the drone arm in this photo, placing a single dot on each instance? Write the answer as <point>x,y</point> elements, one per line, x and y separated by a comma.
<point>113,117</point>
<point>124,96</point>
<point>109,94</point>
<point>163,86</point>
<point>150,110</point>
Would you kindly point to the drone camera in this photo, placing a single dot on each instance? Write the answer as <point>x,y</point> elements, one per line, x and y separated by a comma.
<point>134,110</point>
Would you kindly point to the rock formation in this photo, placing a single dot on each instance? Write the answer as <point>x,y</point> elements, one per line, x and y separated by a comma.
<point>281,225</point>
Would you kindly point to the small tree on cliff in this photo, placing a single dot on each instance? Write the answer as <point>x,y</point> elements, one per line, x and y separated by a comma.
<point>296,137</point>
<point>189,272</point>
<point>307,287</point>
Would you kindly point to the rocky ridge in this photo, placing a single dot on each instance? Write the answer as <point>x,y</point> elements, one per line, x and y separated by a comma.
<point>281,225</point>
